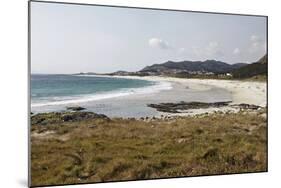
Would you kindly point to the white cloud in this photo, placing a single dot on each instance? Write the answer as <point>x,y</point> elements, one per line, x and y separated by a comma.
<point>212,49</point>
<point>158,43</point>
<point>236,51</point>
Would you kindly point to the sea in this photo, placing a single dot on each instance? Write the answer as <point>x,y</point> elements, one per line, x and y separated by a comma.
<point>57,91</point>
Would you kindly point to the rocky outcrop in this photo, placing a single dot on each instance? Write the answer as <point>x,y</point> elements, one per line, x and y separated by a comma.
<point>60,117</point>
<point>246,106</point>
<point>178,107</point>
<point>75,108</point>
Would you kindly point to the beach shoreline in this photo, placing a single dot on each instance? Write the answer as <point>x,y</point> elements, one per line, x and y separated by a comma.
<point>249,92</point>
<point>181,90</point>
<point>241,91</point>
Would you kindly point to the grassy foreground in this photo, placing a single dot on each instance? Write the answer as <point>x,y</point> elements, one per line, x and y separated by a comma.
<point>101,149</point>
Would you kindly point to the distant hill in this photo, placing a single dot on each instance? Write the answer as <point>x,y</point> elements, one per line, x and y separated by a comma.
<point>258,68</point>
<point>200,69</point>
<point>193,66</point>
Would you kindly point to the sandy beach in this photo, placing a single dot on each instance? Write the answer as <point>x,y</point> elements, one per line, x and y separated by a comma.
<point>249,92</point>
<point>210,90</point>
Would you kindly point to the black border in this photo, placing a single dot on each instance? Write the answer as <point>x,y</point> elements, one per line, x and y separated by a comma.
<point>145,8</point>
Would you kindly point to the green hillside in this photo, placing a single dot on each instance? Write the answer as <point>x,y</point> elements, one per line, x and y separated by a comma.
<point>258,68</point>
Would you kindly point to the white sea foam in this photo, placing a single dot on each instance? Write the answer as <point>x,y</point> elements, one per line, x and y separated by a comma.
<point>159,86</point>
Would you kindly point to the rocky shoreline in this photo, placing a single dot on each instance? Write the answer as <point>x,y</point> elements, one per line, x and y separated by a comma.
<point>187,107</point>
<point>178,107</point>
<point>169,111</point>
<point>60,117</point>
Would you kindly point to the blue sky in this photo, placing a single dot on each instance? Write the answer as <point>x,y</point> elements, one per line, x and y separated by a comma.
<point>75,38</point>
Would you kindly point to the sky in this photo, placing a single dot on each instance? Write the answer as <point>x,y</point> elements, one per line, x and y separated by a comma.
<point>68,38</point>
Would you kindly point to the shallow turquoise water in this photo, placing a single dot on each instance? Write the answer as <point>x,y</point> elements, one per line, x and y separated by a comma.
<point>63,89</point>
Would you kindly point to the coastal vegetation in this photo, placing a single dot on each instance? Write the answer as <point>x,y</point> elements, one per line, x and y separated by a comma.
<point>81,147</point>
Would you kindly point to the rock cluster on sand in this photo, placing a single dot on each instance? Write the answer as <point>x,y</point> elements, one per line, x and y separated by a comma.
<point>246,106</point>
<point>184,106</point>
<point>75,108</point>
<point>177,107</point>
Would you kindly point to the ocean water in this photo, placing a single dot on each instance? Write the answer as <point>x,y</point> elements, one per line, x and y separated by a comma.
<point>62,90</point>
<point>112,96</point>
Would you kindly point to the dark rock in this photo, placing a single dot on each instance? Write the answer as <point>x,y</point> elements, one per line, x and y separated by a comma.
<point>177,107</point>
<point>59,117</point>
<point>77,116</point>
<point>244,106</point>
<point>67,117</point>
<point>75,108</point>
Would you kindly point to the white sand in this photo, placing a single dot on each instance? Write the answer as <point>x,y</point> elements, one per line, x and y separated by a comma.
<point>248,92</point>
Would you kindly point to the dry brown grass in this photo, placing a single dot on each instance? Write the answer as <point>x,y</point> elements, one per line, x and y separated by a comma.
<point>98,150</point>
